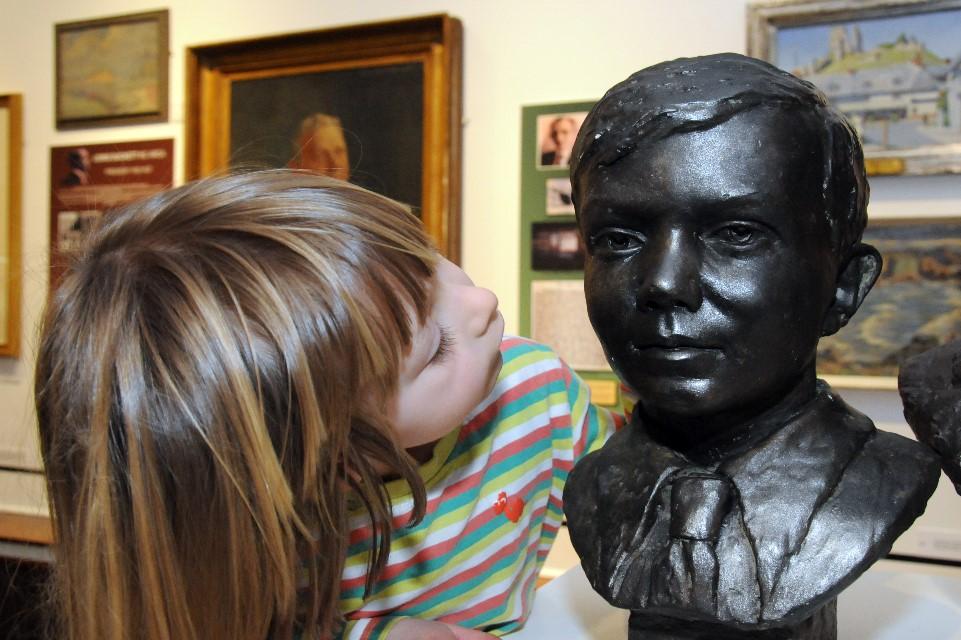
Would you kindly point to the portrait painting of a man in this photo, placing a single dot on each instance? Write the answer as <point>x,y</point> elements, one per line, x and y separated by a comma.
<point>363,124</point>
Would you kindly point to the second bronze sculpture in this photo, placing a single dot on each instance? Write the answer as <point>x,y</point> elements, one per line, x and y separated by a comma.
<point>722,203</point>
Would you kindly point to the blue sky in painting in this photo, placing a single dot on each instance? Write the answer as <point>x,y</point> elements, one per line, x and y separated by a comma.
<point>938,30</point>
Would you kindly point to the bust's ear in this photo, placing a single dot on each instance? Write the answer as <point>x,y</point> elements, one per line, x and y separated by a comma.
<point>856,278</point>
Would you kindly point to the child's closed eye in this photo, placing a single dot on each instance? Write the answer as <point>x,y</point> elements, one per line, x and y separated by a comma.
<point>444,345</point>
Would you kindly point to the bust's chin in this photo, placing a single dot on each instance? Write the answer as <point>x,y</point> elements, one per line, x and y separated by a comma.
<point>706,422</point>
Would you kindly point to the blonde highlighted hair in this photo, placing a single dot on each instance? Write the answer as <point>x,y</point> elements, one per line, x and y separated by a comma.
<point>211,389</point>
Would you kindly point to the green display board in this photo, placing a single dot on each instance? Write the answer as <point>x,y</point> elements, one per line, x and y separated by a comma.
<point>551,273</point>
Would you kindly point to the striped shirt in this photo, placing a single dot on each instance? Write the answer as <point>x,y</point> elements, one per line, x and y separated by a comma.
<point>494,490</point>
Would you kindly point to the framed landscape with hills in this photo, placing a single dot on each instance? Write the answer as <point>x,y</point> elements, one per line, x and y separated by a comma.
<point>112,71</point>
<point>914,306</point>
<point>894,68</point>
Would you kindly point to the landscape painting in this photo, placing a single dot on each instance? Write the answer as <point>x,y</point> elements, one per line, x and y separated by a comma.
<point>112,71</point>
<point>914,306</point>
<point>896,77</point>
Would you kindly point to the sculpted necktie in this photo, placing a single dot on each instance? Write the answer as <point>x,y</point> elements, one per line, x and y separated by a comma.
<point>688,571</point>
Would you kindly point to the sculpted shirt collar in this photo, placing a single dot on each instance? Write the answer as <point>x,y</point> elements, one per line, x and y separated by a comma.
<point>811,436</point>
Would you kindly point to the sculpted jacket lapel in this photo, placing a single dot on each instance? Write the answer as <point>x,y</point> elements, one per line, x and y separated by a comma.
<point>783,482</point>
<point>622,529</point>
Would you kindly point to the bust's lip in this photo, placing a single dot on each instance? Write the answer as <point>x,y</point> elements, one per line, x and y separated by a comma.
<point>673,341</point>
<point>675,351</point>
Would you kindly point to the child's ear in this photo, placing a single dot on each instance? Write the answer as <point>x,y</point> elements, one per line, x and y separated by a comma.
<point>855,280</point>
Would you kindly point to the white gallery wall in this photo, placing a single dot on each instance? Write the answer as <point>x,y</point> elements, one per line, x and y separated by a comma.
<point>516,52</point>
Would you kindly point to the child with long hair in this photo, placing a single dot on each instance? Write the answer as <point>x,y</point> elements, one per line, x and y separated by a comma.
<point>269,409</point>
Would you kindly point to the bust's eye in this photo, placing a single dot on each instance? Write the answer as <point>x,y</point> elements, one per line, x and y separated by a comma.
<point>739,237</point>
<point>737,234</point>
<point>615,241</point>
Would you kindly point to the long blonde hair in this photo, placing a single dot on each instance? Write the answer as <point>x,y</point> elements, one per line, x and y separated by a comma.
<point>211,385</point>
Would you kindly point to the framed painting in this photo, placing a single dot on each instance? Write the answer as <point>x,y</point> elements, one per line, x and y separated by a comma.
<point>893,67</point>
<point>112,71</point>
<point>914,306</point>
<point>376,104</point>
<point>11,143</point>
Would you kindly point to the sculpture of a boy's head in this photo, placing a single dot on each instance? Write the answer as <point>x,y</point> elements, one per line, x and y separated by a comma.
<point>722,202</point>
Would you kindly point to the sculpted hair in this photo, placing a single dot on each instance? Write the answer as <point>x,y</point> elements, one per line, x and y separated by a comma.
<point>696,94</point>
<point>211,389</point>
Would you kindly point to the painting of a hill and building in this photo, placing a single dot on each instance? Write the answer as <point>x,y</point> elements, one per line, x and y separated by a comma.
<point>897,77</point>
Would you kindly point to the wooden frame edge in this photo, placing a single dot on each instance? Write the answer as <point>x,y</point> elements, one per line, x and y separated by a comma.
<point>17,527</point>
<point>14,105</point>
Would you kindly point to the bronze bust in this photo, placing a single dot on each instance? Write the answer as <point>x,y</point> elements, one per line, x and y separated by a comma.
<point>722,203</point>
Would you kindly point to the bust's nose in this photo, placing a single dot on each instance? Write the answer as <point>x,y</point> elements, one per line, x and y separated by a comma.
<point>670,275</point>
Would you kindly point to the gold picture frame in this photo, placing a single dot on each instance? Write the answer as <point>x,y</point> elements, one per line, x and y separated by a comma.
<point>112,71</point>
<point>11,146</point>
<point>392,88</point>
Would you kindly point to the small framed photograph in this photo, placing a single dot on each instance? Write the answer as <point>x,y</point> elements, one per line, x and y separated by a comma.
<point>914,306</point>
<point>11,172</point>
<point>376,104</point>
<point>890,65</point>
<point>559,200</point>
<point>112,71</point>
<point>555,138</point>
<point>556,246</point>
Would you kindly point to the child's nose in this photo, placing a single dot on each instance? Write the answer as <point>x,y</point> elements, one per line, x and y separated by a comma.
<point>481,304</point>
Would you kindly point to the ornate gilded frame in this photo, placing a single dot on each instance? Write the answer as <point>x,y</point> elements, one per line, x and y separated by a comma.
<point>434,42</point>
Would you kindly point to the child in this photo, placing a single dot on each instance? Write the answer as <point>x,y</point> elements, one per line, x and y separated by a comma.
<point>231,367</point>
<point>494,481</point>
